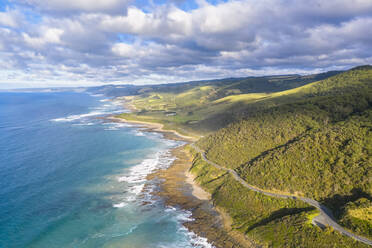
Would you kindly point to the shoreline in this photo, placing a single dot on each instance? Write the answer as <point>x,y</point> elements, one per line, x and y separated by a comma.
<point>178,189</point>
<point>155,127</point>
<point>197,191</point>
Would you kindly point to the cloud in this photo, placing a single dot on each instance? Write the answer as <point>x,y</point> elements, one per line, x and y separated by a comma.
<point>10,18</point>
<point>68,6</point>
<point>47,35</point>
<point>116,41</point>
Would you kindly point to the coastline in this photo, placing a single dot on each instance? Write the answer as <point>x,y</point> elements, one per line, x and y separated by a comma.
<point>197,191</point>
<point>178,189</point>
<point>186,186</point>
<point>155,127</point>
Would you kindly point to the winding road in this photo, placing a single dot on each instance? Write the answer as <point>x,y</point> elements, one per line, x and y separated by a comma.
<point>325,218</point>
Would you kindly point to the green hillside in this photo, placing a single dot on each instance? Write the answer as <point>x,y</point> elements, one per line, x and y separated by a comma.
<point>309,136</point>
<point>271,222</point>
<point>315,140</point>
<point>289,116</point>
<point>204,107</point>
<point>334,159</point>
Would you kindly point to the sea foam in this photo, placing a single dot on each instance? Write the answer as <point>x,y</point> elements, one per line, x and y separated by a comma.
<point>71,118</point>
<point>120,205</point>
<point>135,177</point>
<point>183,216</point>
<point>109,107</point>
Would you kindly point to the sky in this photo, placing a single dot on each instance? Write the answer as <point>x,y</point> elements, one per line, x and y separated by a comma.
<point>91,42</point>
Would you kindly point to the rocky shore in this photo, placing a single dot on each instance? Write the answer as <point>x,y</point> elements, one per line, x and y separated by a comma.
<point>178,189</point>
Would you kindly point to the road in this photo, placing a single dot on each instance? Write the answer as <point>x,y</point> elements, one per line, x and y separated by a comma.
<point>325,217</point>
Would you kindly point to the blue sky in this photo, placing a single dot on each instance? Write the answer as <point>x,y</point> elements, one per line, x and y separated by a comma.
<point>92,42</point>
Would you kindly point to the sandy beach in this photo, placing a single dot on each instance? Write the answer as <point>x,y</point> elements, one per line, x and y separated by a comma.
<point>197,191</point>
<point>155,127</point>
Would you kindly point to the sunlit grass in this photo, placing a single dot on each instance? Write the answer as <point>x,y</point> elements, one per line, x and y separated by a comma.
<point>362,213</point>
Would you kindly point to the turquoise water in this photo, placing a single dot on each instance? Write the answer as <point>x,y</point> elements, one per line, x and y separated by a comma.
<point>68,179</point>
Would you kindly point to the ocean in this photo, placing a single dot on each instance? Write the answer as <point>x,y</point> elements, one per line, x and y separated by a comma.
<point>70,179</point>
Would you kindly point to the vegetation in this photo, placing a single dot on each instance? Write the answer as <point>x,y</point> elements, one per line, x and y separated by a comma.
<point>315,141</point>
<point>358,216</point>
<point>320,163</point>
<point>278,120</point>
<point>202,107</point>
<point>302,135</point>
<point>272,222</point>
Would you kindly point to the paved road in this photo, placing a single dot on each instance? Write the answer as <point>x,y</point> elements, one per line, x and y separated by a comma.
<point>325,218</point>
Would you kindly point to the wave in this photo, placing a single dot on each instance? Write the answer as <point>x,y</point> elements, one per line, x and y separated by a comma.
<point>131,229</point>
<point>109,107</point>
<point>135,177</point>
<point>120,205</point>
<point>138,133</point>
<point>195,240</point>
<point>136,182</point>
<point>138,173</point>
<point>183,216</point>
<point>199,242</point>
<point>97,95</point>
<point>77,117</point>
<point>83,124</point>
<point>113,126</point>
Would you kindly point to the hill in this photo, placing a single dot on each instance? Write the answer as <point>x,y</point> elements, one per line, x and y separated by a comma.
<point>203,107</point>
<point>314,140</point>
<point>308,136</point>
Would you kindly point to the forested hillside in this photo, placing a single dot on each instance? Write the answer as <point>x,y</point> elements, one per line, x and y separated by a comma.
<point>284,118</point>
<point>314,140</point>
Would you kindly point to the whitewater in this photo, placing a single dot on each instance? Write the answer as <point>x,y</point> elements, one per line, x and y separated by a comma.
<point>73,179</point>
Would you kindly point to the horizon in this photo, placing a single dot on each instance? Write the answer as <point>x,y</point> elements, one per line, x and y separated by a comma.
<point>76,43</point>
<point>179,82</point>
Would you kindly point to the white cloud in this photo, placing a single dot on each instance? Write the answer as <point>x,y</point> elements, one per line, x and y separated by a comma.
<point>10,18</point>
<point>124,50</point>
<point>79,5</point>
<point>47,35</point>
<point>162,23</point>
<point>100,42</point>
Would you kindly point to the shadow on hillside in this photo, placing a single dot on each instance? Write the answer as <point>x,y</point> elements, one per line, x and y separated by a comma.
<point>336,202</point>
<point>279,214</point>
